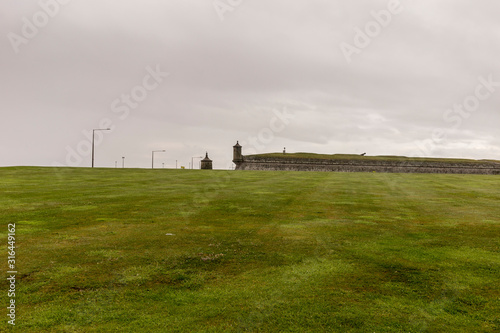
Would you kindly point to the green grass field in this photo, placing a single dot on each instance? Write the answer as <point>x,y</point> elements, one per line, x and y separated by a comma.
<point>126,250</point>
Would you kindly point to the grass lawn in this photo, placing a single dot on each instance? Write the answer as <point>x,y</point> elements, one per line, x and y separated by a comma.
<point>128,250</point>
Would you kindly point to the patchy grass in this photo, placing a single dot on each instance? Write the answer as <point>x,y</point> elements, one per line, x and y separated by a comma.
<point>108,250</point>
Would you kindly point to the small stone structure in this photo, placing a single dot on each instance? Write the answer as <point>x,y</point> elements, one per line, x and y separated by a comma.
<point>286,162</point>
<point>206,163</point>
<point>237,156</point>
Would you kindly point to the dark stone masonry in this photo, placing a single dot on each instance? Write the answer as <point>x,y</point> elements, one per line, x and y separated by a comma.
<point>365,164</point>
<point>206,163</point>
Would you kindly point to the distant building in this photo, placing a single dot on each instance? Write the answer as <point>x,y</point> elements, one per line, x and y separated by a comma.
<point>206,163</point>
<point>357,163</point>
<point>237,157</point>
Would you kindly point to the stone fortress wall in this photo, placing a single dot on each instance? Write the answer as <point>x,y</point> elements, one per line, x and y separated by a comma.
<point>284,163</point>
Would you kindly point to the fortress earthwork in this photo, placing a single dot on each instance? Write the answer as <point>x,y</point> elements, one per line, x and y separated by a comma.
<point>360,163</point>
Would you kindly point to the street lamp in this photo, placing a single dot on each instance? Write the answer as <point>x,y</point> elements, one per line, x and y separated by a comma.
<point>93,135</point>
<point>194,158</point>
<point>153,157</point>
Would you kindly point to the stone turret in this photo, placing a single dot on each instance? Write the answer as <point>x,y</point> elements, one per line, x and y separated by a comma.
<point>237,157</point>
<point>206,163</point>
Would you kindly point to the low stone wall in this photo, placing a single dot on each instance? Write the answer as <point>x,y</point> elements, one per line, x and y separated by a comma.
<point>407,166</point>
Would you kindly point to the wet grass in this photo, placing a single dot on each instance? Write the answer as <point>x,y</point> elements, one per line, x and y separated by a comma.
<point>109,250</point>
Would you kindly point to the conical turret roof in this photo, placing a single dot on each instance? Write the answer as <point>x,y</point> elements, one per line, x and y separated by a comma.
<point>206,159</point>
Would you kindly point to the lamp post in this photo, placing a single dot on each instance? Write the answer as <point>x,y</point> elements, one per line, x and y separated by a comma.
<point>153,157</point>
<point>194,158</point>
<point>93,135</point>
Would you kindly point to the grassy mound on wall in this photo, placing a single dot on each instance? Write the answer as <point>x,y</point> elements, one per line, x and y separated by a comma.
<point>367,158</point>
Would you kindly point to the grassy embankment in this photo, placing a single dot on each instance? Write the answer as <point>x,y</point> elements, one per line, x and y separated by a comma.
<point>108,250</point>
<point>371,158</point>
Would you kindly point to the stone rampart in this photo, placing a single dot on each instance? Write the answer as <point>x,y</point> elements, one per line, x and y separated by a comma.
<point>368,165</point>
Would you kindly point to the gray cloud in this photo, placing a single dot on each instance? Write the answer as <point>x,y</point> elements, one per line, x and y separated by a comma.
<point>227,77</point>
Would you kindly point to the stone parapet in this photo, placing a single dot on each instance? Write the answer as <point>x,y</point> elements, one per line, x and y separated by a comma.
<point>368,165</point>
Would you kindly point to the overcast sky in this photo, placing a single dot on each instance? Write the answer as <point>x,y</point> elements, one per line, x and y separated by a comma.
<point>418,78</point>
